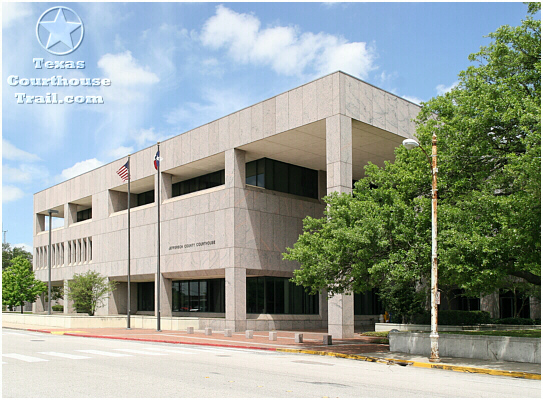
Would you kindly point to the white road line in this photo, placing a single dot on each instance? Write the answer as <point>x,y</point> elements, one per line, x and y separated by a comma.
<point>206,350</point>
<point>18,333</point>
<point>63,355</point>
<point>147,353</point>
<point>169,350</point>
<point>104,353</point>
<point>24,358</point>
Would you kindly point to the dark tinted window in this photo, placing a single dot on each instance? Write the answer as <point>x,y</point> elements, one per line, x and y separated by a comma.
<point>273,295</point>
<point>282,177</point>
<point>198,295</point>
<point>146,296</point>
<point>199,183</point>
<point>367,303</point>
<point>84,215</point>
<point>145,198</point>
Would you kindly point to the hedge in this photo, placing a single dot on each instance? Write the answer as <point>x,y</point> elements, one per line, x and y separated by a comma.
<point>456,317</point>
<point>515,321</point>
<point>58,307</point>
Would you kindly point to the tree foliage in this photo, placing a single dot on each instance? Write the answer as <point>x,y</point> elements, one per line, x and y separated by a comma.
<point>489,146</point>
<point>89,290</point>
<point>19,285</point>
<point>9,253</point>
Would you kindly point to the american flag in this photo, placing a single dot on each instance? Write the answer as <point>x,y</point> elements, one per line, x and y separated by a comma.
<point>123,172</point>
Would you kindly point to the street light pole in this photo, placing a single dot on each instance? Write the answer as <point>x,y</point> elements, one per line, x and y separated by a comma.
<point>434,336</point>
<point>51,212</point>
<point>434,301</point>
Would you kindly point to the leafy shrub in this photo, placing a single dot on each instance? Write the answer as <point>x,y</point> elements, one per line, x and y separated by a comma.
<point>455,317</point>
<point>515,321</point>
<point>57,307</point>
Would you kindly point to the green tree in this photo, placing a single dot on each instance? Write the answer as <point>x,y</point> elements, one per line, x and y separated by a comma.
<point>89,290</point>
<point>489,147</point>
<point>19,285</point>
<point>9,253</point>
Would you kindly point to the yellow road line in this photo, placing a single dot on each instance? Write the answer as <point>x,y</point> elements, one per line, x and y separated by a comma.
<point>488,371</point>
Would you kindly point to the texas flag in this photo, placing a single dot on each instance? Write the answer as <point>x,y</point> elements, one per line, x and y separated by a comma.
<point>157,159</point>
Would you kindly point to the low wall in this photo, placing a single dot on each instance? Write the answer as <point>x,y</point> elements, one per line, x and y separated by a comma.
<point>112,321</point>
<point>385,327</point>
<point>496,348</point>
<point>257,322</point>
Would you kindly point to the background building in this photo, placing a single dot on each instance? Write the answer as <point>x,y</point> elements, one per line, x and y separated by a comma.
<point>233,196</point>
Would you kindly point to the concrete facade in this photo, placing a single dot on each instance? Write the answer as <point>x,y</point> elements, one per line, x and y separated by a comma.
<point>333,125</point>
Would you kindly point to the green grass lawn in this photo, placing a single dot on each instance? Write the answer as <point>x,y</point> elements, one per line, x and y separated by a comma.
<point>529,333</point>
<point>375,334</point>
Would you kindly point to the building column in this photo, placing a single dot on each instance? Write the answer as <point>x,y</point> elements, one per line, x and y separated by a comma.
<point>70,214</point>
<point>165,297</point>
<point>39,305</point>
<point>339,176</point>
<point>39,223</point>
<point>535,308</point>
<point>67,304</point>
<point>491,303</point>
<point>235,276</point>
<point>235,299</point>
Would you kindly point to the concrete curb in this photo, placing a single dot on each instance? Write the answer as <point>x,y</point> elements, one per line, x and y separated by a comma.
<point>419,364</point>
<point>389,361</point>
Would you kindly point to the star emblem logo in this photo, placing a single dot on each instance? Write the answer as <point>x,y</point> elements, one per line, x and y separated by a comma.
<point>60,30</point>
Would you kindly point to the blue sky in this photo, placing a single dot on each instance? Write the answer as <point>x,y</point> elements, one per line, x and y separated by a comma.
<point>175,66</point>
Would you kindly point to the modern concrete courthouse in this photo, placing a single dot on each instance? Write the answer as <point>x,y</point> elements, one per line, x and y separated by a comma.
<point>233,196</point>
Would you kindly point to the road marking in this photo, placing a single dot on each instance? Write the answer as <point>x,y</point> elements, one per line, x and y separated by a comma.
<point>147,353</point>
<point>63,355</point>
<point>104,353</point>
<point>206,350</point>
<point>24,358</point>
<point>169,350</point>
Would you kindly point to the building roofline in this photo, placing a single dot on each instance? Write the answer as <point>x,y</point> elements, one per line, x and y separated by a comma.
<point>227,115</point>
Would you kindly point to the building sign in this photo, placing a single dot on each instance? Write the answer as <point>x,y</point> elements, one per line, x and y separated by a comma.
<point>190,245</point>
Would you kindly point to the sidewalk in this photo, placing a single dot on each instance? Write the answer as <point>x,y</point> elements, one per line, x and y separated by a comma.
<point>358,348</point>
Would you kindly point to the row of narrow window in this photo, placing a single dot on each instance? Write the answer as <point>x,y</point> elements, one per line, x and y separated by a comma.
<point>66,253</point>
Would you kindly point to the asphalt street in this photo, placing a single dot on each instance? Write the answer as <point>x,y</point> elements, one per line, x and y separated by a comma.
<point>53,366</point>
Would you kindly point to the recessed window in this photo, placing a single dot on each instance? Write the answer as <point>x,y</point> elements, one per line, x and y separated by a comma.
<point>282,177</point>
<point>145,198</point>
<point>273,295</point>
<point>368,303</point>
<point>84,215</point>
<point>199,183</point>
<point>146,296</point>
<point>198,295</point>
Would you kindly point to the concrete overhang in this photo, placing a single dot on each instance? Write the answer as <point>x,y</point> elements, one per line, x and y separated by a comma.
<point>306,146</point>
<point>139,186</point>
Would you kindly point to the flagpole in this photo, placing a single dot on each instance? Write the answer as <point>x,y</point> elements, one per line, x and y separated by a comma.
<point>158,241</point>
<point>128,272</point>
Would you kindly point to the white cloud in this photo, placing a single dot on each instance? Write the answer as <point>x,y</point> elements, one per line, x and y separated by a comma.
<point>413,99</point>
<point>80,168</point>
<point>14,12</point>
<point>10,152</point>
<point>216,103</point>
<point>121,151</point>
<point>24,173</point>
<point>145,136</point>
<point>284,48</point>
<point>11,193</point>
<point>442,89</point>
<point>123,70</point>
<point>24,246</point>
